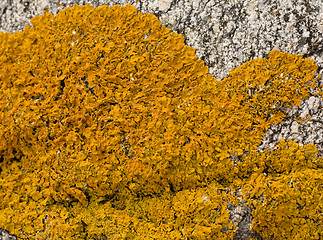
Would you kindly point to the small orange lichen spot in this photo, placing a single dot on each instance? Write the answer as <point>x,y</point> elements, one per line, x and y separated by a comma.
<point>111,127</point>
<point>59,4</point>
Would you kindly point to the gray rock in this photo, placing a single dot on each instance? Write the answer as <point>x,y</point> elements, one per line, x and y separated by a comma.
<point>310,131</point>
<point>4,235</point>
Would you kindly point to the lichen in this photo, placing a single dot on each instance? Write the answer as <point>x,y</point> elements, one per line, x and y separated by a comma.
<point>111,126</point>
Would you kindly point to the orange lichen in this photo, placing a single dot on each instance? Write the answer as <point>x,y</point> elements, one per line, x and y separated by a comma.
<point>111,126</point>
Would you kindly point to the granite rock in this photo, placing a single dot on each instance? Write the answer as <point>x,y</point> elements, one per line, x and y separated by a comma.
<point>4,235</point>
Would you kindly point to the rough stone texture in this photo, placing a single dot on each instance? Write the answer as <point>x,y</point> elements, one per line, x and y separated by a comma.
<point>4,235</point>
<point>225,34</point>
<point>311,131</point>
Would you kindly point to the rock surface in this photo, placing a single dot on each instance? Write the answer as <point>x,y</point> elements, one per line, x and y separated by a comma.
<point>225,34</point>
<point>4,235</point>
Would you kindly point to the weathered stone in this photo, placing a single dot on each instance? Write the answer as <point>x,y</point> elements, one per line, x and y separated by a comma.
<point>4,235</point>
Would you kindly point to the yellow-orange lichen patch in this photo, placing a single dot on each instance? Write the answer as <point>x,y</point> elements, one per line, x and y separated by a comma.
<point>111,126</point>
